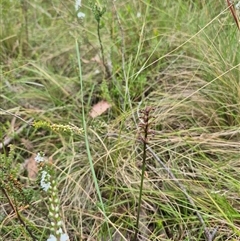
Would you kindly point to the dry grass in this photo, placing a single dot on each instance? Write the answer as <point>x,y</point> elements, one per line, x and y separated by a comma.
<point>179,57</point>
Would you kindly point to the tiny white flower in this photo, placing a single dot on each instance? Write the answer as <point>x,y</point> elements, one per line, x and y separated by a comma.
<point>59,223</point>
<point>45,184</point>
<point>80,15</point>
<point>52,207</point>
<point>138,15</point>
<point>64,237</point>
<point>97,71</point>
<point>52,238</point>
<point>44,174</point>
<point>57,209</point>
<point>59,231</point>
<point>39,158</point>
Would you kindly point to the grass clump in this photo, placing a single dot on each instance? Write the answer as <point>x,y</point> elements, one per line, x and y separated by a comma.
<point>58,60</point>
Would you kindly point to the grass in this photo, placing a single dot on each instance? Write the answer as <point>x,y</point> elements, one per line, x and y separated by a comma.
<point>180,57</point>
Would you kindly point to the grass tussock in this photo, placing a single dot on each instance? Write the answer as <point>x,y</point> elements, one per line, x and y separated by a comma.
<point>181,58</point>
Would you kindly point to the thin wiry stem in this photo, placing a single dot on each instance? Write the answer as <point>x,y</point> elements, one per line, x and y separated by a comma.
<point>144,156</point>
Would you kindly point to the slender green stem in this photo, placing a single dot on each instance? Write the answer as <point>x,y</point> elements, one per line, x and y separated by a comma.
<point>87,143</point>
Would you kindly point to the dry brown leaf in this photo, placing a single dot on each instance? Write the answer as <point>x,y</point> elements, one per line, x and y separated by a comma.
<point>31,166</point>
<point>99,108</point>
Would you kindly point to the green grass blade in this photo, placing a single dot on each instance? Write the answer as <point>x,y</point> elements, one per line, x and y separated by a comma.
<point>87,143</point>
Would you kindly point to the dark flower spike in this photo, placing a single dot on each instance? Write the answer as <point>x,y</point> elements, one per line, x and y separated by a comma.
<point>145,120</point>
<point>145,123</point>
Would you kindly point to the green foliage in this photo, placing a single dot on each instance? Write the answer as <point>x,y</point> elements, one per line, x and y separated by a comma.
<point>9,182</point>
<point>15,194</point>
